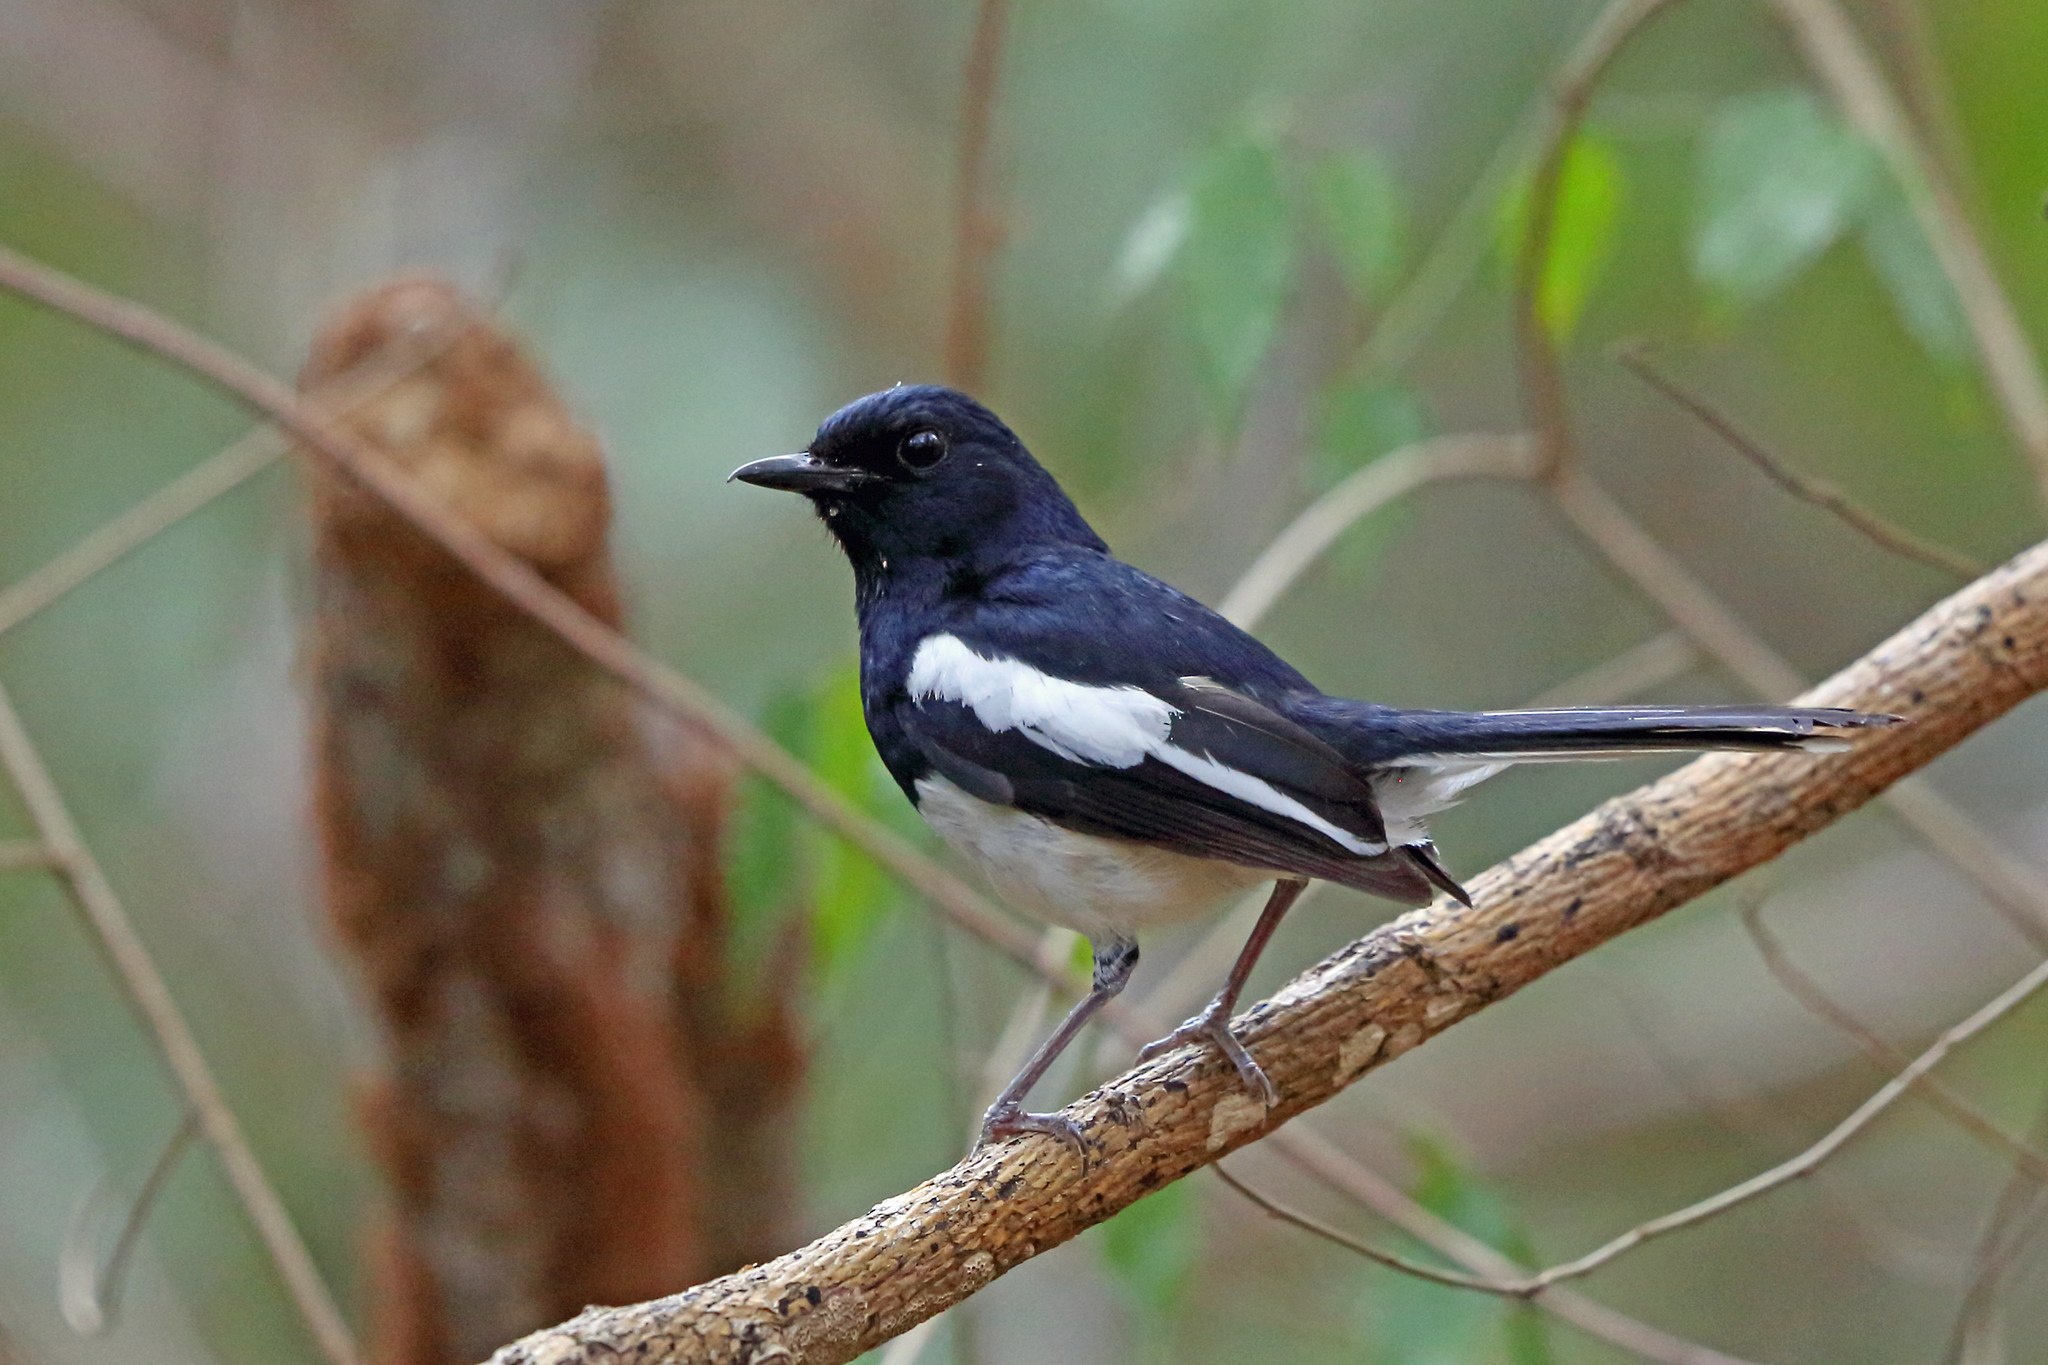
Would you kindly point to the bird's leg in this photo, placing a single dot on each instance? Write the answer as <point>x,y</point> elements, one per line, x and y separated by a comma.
<point>1115,959</point>
<point>1213,1023</point>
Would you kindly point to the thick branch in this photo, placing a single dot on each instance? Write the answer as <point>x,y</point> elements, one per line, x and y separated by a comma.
<point>1959,667</point>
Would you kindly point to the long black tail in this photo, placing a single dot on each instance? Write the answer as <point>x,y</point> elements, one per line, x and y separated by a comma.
<point>1383,736</point>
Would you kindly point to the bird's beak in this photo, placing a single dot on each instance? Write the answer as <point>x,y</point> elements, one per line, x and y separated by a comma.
<point>802,472</point>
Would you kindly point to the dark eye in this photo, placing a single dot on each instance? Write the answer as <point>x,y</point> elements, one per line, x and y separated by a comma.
<point>922,449</point>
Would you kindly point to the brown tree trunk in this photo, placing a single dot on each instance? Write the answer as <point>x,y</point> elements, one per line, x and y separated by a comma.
<point>526,872</point>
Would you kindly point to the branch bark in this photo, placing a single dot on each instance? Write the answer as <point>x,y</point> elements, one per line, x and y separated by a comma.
<point>527,876</point>
<point>1954,670</point>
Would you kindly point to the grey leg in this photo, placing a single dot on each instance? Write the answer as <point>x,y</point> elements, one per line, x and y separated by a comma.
<point>1114,961</point>
<point>1212,1025</point>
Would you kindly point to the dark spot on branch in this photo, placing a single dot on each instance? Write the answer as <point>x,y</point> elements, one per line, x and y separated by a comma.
<point>1507,933</point>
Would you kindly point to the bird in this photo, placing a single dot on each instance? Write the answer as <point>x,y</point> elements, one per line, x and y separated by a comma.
<point>1116,757</point>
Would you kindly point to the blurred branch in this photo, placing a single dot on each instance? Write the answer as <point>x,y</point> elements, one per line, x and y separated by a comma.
<point>576,1102</point>
<point>199,487</point>
<point>1965,662</point>
<point>2015,1219</point>
<point>25,855</point>
<point>89,1289</point>
<point>1543,391</point>
<point>146,991</point>
<point>1844,65</point>
<point>1394,475</point>
<point>1656,661</point>
<point>1882,1054</point>
<point>1815,492</point>
<point>976,233</point>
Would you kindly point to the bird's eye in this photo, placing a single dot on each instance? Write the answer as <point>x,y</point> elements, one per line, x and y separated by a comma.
<point>922,449</point>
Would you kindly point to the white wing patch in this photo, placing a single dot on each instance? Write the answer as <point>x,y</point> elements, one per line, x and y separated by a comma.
<point>1115,727</point>
<point>1112,727</point>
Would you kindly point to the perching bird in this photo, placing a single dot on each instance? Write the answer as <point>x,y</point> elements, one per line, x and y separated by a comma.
<point>1116,756</point>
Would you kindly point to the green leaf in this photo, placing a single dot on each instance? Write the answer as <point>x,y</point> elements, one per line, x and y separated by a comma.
<point>1151,246</point>
<point>1152,1246</point>
<point>1236,265</point>
<point>1905,261</point>
<point>1358,423</point>
<point>1780,181</point>
<point>1418,1323</point>
<point>1590,189</point>
<point>852,895</point>
<point>1358,203</point>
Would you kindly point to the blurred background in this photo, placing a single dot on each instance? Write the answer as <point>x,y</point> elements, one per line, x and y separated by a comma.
<point>1241,252</point>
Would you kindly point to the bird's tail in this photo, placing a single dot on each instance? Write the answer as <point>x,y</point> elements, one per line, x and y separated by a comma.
<point>1426,738</point>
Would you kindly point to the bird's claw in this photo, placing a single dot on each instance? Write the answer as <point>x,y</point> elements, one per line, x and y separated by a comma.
<point>1007,1121</point>
<point>1212,1026</point>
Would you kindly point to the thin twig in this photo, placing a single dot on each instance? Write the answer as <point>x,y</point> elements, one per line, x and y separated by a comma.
<point>1833,1141</point>
<point>1881,1054</point>
<point>1808,489</point>
<point>1392,1261</point>
<point>1852,76</point>
<point>975,232</point>
<point>89,1290</point>
<point>1315,1155</point>
<point>25,855</point>
<point>1642,668</point>
<point>1542,379</point>
<point>193,491</point>
<point>2015,1218</point>
<point>146,990</point>
<point>1304,540</point>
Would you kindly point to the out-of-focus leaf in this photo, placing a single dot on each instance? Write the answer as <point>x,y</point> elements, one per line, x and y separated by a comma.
<point>1590,188</point>
<point>1150,247</point>
<point>760,863</point>
<point>1903,258</point>
<point>1151,1248</point>
<point>1235,265</point>
<point>1415,1322</point>
<point>1358,423</point>
<point>1358,203</point>
<point>1780,181</point>
<point>851,894</point>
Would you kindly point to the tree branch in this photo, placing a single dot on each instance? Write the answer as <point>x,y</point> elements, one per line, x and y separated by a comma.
<point>1957,668</point>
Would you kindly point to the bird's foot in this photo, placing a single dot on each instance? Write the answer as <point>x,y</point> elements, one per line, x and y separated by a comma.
<point>1011,1120</point>
<point>1212,1026</point>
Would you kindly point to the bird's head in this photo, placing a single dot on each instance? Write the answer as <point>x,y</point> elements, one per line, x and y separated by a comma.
<point>922,472</point>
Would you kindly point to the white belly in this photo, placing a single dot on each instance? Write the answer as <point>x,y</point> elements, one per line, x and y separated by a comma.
<point>1100,887</point>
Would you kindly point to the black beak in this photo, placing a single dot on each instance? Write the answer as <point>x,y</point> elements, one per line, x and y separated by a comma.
<point>802,472</point>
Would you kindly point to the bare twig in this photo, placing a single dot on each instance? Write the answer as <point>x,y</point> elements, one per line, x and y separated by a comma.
<point>1455,1279</point>
<point>975,231</point>
<point>1444,459</point>
<point>88,1289</point>
<point>1882,1054</point>
<point>1543,391</point>
<point>1833,1141</point>
<point>2015,1219</point>
<point>199,487</point>
<point>144,986</point>
<point>1963,663</point>
<point>1817,492</point>
<point>25,855</point>
<point>1852,76</point>
<point>1656,661</point>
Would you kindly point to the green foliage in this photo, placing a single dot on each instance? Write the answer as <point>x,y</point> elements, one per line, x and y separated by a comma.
<point>1359,208</point>
<point>851,894</point>
<point>1357,423</point>
<point>1415,1322</point>
<point>1591,188</point>
<point>1780,181</point>
<point>1904,259</point>
<point>1236,264</point>
<point>1150,1250</point>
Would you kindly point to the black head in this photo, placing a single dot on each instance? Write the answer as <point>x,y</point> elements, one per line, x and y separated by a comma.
<point>921,472</point>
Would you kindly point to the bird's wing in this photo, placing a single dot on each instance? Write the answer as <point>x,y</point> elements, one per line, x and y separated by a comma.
<point>1188,765</point>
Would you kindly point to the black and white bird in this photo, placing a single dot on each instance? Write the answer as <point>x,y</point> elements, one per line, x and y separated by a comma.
<point>1114,755</point>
